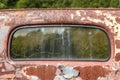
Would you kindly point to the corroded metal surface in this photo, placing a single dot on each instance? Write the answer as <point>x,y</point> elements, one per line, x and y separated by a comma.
<point>117,57</point>
<point>109,19</point>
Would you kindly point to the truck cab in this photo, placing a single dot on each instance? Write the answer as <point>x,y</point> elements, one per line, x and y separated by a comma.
<point>60,44</point>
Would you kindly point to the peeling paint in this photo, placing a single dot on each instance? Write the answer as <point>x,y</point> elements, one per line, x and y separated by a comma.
<point>78,13</point>
<point>3,34</point>
<point>72,16</point>
<point>42,72</point>
<point>67,72</point>
<point>34,78</point>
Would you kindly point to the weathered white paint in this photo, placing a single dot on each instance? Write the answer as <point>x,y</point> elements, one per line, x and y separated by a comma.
<point>3,35</point>
<point>78,13</point>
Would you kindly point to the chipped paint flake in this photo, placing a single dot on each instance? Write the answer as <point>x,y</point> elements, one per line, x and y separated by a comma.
<point>78,13</point>
<point>34,78</point>
<point>72,16</point>
<point>59,77</point>
<point>98,11</point>
<point>102,78</point>
<point>95,20</point>
<point>82,19</point>
<point>108,23</point>
<point>3,18</point>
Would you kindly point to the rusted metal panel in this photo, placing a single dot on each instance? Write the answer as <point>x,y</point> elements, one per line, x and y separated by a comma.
<point>109,19</point>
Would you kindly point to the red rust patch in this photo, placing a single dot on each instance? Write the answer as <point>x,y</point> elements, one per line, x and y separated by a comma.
<point>43,72</point>
<point>92,73</point>
<point>117,42</point>
<point>118,20</point>
<point>117,57</point>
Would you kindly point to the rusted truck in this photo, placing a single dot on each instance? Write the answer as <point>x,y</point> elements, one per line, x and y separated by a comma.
<point>60,44</point>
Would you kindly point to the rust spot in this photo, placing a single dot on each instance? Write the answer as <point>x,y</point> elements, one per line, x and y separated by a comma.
<point>92,73</point>
<point>118,20</point>
<point>117,42</point>
<point>117,57</point>
<point>43,72</point>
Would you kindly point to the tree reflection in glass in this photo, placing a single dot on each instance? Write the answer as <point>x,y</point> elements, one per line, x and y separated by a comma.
<point>60,43</point>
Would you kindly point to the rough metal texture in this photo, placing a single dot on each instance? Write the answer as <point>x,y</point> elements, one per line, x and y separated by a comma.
<point>109,19</point>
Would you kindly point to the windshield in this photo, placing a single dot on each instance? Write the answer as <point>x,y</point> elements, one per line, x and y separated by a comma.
<point>60,43</point>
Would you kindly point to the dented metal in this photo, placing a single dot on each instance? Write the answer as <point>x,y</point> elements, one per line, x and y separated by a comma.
<point>109,19</point>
